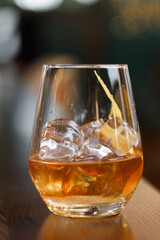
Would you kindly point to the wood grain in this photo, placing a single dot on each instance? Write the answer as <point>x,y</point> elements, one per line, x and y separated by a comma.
<point>4,233</point>
<point>24,216</point>
<point>143,212</point>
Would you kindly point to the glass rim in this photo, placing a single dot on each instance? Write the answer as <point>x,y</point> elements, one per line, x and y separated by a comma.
<point>85,66</point>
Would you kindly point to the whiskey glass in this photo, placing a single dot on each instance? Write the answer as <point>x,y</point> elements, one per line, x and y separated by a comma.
<point>85,156</point>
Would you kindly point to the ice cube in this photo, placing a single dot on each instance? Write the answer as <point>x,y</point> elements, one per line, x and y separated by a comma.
<point>118,136</point>
<point>50,183</point>
<point>77,182</point>
<point>89,129</point>
<point>97,148</point>
<point>60,139</point>
<point>93,148</point>
<point>114,186</point>
<point>85,154</point>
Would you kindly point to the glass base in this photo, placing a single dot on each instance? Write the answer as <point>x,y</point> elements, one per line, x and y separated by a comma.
<point>98,211</point>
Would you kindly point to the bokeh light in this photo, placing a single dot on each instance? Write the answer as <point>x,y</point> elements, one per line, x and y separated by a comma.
<point>123,27</point>
<point>145,15</point>
<point>10,40</point>
<point>38,5</point>
<point>87,2</point>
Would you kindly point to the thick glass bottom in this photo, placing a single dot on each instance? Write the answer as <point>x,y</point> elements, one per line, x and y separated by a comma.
<point>98,211</point>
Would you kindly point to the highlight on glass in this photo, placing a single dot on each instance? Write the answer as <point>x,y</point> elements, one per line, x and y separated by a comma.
<point>85,156</point>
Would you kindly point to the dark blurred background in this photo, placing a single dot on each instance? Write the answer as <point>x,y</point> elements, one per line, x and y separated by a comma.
<point>33,32</point>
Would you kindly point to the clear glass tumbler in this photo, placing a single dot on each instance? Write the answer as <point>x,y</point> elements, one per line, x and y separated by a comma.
<point>85,156</point>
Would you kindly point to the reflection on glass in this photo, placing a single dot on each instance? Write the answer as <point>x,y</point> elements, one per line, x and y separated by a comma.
<point>56,227</point>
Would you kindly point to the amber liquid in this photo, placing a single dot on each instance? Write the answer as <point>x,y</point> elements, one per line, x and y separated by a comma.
<point>86,183</point>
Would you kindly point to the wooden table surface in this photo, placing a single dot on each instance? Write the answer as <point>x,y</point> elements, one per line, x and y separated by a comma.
<point>24,216</point>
